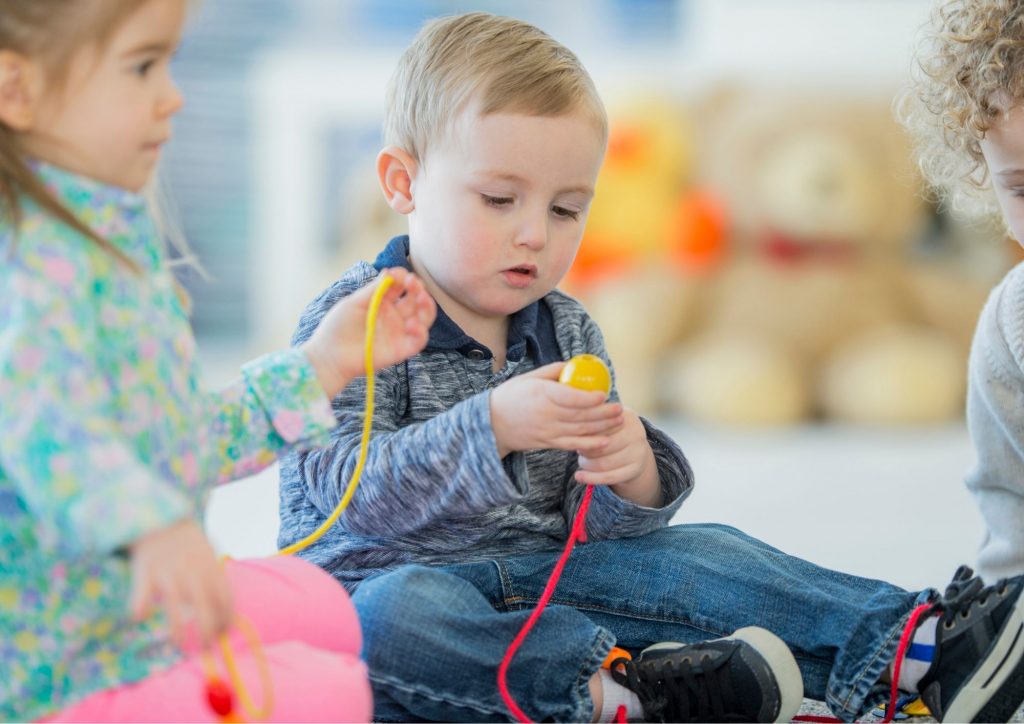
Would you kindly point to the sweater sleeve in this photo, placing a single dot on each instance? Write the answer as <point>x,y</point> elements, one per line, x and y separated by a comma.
<point>276,406</point>
<point>71,466</point>
<point>415,474</point>
<point>995,418</point>
<point>609,515</point>
<point>446,467</point>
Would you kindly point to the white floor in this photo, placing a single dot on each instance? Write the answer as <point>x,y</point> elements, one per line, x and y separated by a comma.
<point>887,504</point>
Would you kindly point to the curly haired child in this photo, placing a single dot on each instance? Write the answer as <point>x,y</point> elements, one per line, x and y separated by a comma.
<point>966,111</point>
<point>108,443</point>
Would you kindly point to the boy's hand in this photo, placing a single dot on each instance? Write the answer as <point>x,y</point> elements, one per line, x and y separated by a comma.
<point>534,411</point>
<point>626,463</point>
<point>176,569</point>
<point>336,349</point>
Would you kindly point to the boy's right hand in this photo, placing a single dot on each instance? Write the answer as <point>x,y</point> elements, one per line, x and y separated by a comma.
<point>176,569</point>
<point>535,411</point>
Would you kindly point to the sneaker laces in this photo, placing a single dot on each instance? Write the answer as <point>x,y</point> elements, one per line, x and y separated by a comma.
<point>963,592</point>
<point>670,689</point>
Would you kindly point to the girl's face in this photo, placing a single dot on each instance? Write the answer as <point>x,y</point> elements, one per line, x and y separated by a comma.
<point>114,114</point>
<point>1003,148</point>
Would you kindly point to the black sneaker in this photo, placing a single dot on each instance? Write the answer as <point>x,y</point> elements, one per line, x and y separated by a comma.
<point>749,676</point>
<point>978,670</point>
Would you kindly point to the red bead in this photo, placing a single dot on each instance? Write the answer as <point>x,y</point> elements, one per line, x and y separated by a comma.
<point>218,694</point>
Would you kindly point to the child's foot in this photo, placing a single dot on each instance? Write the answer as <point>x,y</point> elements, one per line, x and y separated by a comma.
<point>977,673</point>
<point>749,676</point>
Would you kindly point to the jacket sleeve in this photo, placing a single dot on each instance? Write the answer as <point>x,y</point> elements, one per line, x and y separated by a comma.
<point>609,515</point>
<point>72,468</point>
<point>995,418</point>
<point>276,406</point>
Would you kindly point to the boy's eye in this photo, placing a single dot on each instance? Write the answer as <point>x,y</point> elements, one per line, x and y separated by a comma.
<point>496,200</point>
<point>565,213</point>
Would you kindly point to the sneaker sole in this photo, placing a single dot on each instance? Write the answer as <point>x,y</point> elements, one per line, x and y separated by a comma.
<point>996,688</point>
<point>783,665</point>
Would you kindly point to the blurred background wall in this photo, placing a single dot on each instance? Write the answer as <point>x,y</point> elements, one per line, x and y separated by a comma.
<point>774,287</point>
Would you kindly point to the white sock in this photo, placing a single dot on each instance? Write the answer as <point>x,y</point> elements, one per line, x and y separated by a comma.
<point>616,695</point>
<point>919,655</point>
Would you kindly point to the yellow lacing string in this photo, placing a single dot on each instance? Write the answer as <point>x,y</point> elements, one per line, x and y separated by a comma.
<point>251,636</point>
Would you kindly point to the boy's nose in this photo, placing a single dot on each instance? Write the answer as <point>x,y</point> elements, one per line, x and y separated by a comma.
<point>533,234</point>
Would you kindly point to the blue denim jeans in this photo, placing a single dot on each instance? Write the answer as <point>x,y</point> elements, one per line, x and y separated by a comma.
<point>434,637</point>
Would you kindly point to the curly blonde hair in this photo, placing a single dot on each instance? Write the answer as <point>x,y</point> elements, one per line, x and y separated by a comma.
<point>969,68</point>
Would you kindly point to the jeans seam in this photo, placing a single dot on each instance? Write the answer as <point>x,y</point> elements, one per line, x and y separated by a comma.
<point>506,582</point>
<point>389,682</point>
<point>524,601</point>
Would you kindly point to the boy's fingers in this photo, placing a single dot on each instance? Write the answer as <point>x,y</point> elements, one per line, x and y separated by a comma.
<point>547,372</point>
<point>591,442</point>
<point>567,396</point>
<point>608,412</point>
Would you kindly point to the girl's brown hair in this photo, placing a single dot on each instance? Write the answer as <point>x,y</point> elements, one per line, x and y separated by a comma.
<point>52,32</point>
<point>969,69</point>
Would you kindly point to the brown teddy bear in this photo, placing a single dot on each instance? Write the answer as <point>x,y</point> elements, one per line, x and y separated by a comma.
<point>815,313</point>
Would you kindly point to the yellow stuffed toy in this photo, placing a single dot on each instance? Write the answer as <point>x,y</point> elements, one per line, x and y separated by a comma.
<point>652,236</point>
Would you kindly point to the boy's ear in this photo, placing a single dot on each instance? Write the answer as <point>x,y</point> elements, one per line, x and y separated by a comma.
<point>396,169</point>
<point>19,90</point>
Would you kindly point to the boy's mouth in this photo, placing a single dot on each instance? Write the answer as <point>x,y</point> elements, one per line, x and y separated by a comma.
<point>520,276</point>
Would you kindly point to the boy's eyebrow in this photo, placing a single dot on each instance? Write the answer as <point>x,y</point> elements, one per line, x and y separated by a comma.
<point>154,47</point>
<point>515,178</point>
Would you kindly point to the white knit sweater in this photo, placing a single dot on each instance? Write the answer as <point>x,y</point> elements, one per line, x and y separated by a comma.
<point>995,418</point>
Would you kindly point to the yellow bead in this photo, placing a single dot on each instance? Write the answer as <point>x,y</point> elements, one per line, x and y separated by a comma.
<point>587,372</point>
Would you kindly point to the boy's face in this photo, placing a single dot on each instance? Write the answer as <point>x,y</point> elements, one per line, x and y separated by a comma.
<point>1003,148</point>
<point>112,117</point>
<point>499,210</point>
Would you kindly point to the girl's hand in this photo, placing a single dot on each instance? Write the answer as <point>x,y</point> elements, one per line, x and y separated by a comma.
<point>535,410</point>
<point>176,569</point>
<point>626,463</point>
<point>336,349</point>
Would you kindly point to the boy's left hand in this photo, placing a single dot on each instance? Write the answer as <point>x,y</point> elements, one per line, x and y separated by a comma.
<point>626,464</point>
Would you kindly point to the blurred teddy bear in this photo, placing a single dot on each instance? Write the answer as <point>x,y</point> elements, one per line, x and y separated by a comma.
<point>814,313</point>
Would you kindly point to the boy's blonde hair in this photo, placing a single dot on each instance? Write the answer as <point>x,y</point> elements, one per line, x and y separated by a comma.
<point>504,64</point>
<point>969,68</point>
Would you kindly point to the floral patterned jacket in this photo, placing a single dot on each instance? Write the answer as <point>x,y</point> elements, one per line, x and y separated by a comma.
<point>106,434</point>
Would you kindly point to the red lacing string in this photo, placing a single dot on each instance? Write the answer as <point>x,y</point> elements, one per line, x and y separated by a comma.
<point>578,533</point>
<point>901,650</point>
